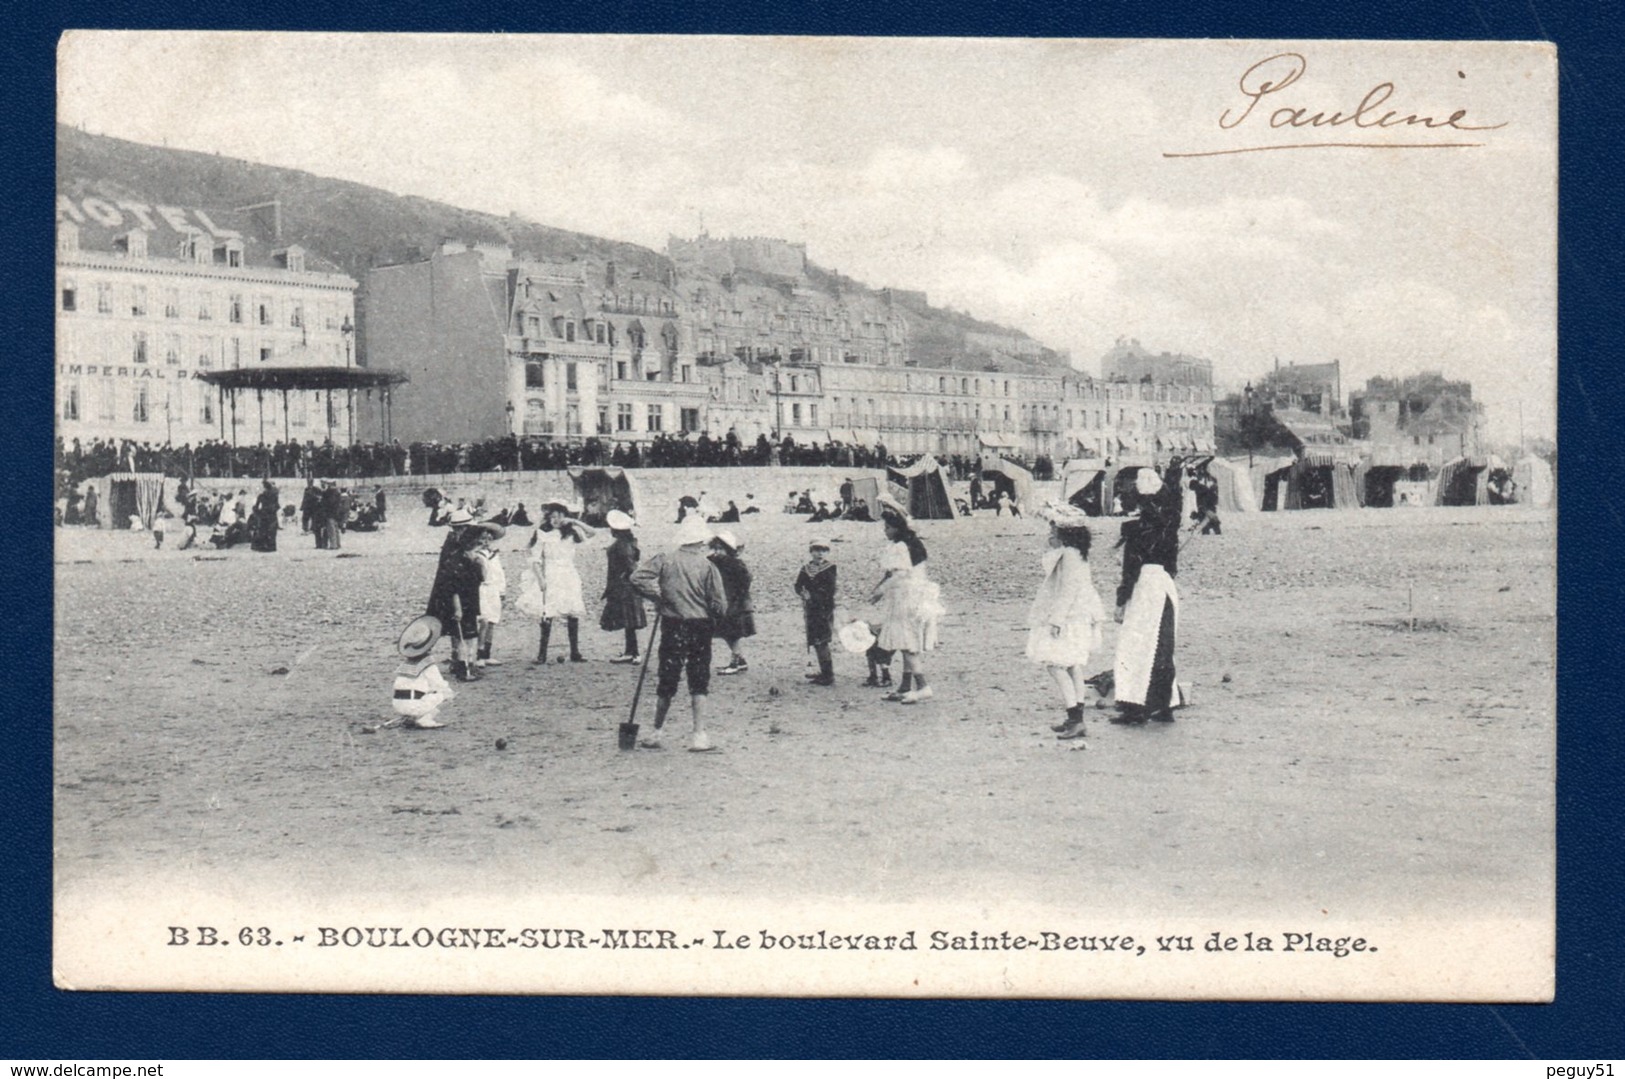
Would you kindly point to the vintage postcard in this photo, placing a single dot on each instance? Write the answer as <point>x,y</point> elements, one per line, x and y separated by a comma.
<point>799,516</point>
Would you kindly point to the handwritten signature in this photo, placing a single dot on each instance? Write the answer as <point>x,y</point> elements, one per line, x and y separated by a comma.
<point>1274,74</point>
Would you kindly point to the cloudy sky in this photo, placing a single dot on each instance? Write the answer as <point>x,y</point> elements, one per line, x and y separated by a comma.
<point>1022,181</point>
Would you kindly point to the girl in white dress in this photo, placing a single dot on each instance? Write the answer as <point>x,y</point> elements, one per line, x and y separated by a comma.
<point>493,585</point>
<point>1066,615</point>
<point>911,603</point>
<point>553,567</point>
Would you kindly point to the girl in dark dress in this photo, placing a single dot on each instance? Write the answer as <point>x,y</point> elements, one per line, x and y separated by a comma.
<point>623,607</point>
<point>740,621</point>
<point>265,518</point>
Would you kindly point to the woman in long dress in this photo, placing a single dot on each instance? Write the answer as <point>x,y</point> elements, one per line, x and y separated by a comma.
<point>553,562</point>
<point>1066,615</point>
<point>623,607</point>
<point>910,603</point>
<point>1148,606</point>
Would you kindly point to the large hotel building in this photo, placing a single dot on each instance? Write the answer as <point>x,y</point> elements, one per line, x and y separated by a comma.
<point>148,297</point>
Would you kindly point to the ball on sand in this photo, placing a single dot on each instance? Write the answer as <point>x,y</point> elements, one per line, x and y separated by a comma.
<point>502,743</point>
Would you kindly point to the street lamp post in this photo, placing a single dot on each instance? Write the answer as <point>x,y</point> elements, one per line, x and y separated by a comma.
<point>1247,419</point>
<point>518,459</point>
<point>348,330</point>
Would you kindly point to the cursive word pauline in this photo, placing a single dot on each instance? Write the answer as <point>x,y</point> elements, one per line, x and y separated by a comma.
<point>1262,82</point>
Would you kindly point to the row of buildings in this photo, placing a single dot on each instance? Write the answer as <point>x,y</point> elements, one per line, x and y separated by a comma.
<point>739,335</point>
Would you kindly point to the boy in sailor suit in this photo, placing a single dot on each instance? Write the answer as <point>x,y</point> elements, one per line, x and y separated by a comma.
<point>420,688</point>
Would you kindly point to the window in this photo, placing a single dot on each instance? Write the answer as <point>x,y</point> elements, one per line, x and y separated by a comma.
<point>139,411</point>
<point>942,385</point>
<point>205,306</point>
<point>687,372</point>
<point>236,308</point>
<point>174,407</point>
<point>535,376</point>
<point>691,419</point>
<point>656,418</point>
<point>138,300</point>
<point>570,331</point>
<point>172,303</point>
<point>236,351</point>
<point>172,349</point>
<point>263,312</point>
<point>138,347</point>
<point>570,377</point>
<point>265,353</point>
<point>107,400</point>
<point>533,325</point>
<point>70,299</point>
<point>795,414</point>
<point>296,317</point>
<point>298,409</point>
<point>623,417</point>
<point>104,302</point>
<point>795,383</point>
<point>205,403</point>
<point>620,369</point>
<point>599,333</point>
<point>70,401</point>
<point>812,415</point>
<point>603,419</point>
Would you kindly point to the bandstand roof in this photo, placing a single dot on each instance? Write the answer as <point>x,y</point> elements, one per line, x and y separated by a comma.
<point>303,377</point>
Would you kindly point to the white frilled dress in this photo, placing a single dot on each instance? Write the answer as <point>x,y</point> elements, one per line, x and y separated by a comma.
<point>493,584</point>
<point>553,560</point>
<point>1066,598</point>
<point>910,605</point>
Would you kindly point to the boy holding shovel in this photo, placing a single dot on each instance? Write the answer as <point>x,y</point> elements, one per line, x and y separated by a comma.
<point>688,590</point>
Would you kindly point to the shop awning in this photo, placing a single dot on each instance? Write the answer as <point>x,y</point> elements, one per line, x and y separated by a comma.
<point>997,440</point>
<point>841,434</point>
<point>865,436</point>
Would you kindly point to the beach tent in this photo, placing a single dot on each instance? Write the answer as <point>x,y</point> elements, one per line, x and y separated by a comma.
<point>1534,479</point>
<point>1119,484</point>
<point>867,488</point>
<point>1082,484</point>
<point>599,490</point>
<point>1464,481</point>
<point>1007,477</point>
<point>1235,484</point>
<point>124,495</point>
<point>923,488</point>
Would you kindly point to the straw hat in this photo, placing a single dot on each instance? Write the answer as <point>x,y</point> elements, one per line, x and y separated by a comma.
<point>692,530</point>
<point>618,521</point>
<point>1147,482</point>
<point>496,530</point>
<point>729,539</point>
<point>890,505</point>
<point>558,504</point>
<point>820,542</point>
<point>459,517</point>
<point>855,636</point>
<point>419,637</point>
<point>1063,514</point>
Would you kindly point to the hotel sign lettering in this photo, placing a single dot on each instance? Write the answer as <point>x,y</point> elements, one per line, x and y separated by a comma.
<point>98,370</point>
<point>119,213</point>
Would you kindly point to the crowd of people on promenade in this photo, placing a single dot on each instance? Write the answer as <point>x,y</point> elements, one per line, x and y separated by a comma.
<point>78,461</point>
<point>701,590</point>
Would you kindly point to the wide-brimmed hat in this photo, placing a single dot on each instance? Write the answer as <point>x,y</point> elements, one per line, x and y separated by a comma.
<point>618,521</point>
<point>419,637</point>
<point>692,530</point>
<point>890,505</point>
<point>459,517</point>
<point>1063,515</point>
<point>558,504</point>
<point>496,530</point>
<point>1147,482</point>
<point>855,636</point>
<point>728,539</point>
<point>820,542</point>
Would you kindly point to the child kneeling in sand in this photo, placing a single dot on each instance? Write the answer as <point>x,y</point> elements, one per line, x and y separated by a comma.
<point>420,688</point>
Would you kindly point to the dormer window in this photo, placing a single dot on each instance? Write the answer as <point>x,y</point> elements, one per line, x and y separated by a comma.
<point>229,252</point>
<point>132,243</point>
<point>292,258</point>
<point>70,295</point>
